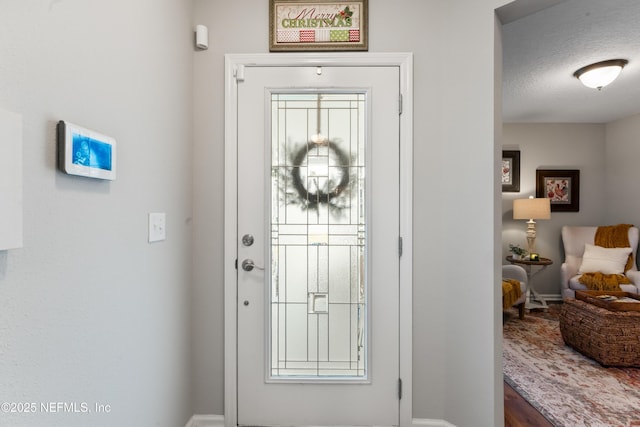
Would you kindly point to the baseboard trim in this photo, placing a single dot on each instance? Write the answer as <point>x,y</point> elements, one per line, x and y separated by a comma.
<point>431,423</point>
<point>206,421</point>
<point>218,421</point>
<point>552,297</point>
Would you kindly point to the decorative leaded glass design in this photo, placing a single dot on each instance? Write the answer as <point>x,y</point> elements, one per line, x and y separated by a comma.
<point>318,290</point>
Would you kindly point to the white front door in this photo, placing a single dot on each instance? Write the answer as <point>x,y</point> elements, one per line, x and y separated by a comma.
<point>318,246</point>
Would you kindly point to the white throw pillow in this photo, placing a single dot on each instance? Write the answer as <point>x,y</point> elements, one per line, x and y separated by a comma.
<point>604,260</point>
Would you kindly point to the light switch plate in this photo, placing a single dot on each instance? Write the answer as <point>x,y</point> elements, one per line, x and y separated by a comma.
<point>157,226</point>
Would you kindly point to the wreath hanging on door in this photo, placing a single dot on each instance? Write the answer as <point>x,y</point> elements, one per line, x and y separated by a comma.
<point>328,189</point>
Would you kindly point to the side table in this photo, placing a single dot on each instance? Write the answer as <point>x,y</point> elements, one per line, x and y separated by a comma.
<point>535,300</point>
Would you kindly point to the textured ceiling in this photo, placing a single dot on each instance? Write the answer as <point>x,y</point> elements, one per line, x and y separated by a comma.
<point>542,49</point>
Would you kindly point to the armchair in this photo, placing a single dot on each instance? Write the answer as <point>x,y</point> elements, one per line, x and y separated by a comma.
<point>517,273</point>
<point>574,240</point>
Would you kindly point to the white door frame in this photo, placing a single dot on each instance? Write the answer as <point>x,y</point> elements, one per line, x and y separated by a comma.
<point>234,72</point>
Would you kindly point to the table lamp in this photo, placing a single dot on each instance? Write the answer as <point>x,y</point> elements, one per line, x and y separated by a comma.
<point>531,209</point>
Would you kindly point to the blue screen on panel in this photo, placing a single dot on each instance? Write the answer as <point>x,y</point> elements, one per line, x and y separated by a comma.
<point>91,152</point>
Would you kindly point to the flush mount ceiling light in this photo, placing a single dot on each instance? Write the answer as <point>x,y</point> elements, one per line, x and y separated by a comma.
<point>600,74</point>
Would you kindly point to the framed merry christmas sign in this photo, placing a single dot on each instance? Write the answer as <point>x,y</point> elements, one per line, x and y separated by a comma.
<point>321,25</point>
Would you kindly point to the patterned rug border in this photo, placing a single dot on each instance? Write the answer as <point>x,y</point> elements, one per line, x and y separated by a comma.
<point>552,314</point>
<point>549,417</point>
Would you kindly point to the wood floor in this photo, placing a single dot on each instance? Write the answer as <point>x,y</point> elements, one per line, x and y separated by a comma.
<point>519,413</point>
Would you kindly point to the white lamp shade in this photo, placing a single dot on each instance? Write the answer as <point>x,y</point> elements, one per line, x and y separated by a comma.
<point>600,77</point>
<point>532,208</point>
<point>601,74</point>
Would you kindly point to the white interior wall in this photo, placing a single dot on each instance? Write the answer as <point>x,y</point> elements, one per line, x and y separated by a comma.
<point>498,392</point>
<point>467,235</point>
<point>555,146</point>
<point>621,190</point>
<point>91,312</point>
<point>454,163</point>
<point>105,319</point>
<point>10,181</point>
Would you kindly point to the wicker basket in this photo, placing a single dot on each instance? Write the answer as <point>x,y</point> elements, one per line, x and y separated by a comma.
<point>610,337</point>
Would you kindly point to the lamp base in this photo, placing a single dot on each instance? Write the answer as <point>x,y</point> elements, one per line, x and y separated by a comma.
<point>531,236</point>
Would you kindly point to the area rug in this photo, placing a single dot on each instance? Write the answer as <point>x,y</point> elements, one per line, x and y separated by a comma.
<point>568,388</point>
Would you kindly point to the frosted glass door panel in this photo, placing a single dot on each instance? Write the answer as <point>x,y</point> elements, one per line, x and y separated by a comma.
<point>318,300</point>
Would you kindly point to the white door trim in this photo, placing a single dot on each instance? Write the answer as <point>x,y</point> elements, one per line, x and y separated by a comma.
<point>234,66</point>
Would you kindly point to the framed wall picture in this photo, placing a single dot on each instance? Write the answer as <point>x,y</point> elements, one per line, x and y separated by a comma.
<point>510,171</point>
<point>562,186</point>
<point>318,25</point>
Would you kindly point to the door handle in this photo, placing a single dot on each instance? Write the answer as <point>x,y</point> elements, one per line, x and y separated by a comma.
<point>248,265</point>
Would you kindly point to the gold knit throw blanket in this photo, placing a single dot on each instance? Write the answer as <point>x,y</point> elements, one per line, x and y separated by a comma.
<point>510,292</point>
<point>611,236</point>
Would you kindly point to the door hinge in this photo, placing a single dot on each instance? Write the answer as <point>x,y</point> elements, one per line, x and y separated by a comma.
<point>400,104</point>
<point>400,388</point>
<point>400,246</point>
<point>236,263</point>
